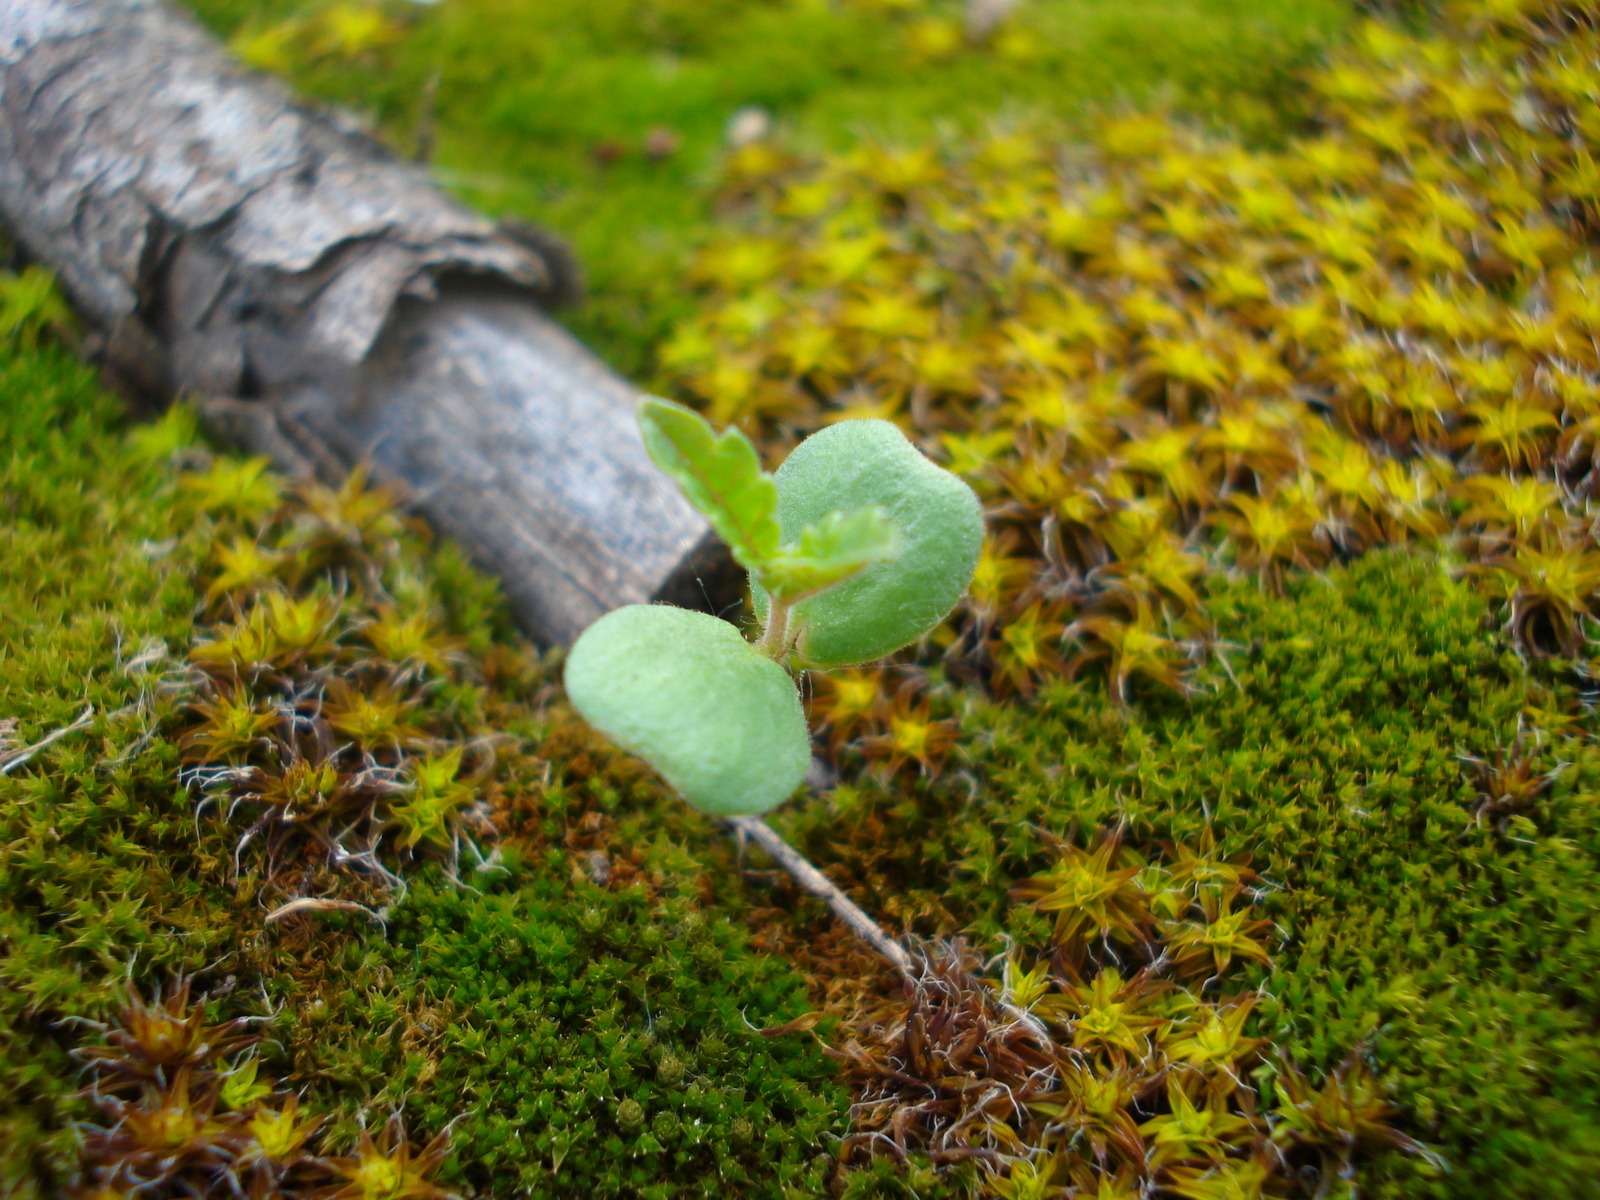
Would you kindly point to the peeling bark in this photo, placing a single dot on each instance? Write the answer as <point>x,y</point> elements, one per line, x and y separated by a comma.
<point>327,305</point>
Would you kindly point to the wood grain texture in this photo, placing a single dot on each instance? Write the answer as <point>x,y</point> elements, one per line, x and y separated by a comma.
<point>328,304</point>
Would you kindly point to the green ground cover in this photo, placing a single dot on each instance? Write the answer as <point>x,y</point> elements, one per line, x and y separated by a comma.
<point>101,865</point>
<point>577,1033</point>
<point>557,1006</point>
<point>1327,751</point>
<point>1287,842</point>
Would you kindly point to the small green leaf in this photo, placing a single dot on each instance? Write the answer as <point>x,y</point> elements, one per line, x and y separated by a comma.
<point>831,551</point>
<point>175,430</point>
<point>720,475</point>
<point>718,720</point>
<point>244,488</point>
<point>866,463</point>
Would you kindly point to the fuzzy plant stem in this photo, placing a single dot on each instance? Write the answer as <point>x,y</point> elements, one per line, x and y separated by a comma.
<point>818,884</point>
<point>775,637</point>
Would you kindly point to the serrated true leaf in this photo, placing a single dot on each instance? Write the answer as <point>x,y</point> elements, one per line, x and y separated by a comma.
<point>720,475</point>
<point>831,551</point>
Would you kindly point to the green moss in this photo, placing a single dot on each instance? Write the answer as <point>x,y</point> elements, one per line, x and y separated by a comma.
<point>1325,742</point>
<point>590,1043</point>
<point>481,998</point>
<point>579,1033</point>
<point>100,866</point>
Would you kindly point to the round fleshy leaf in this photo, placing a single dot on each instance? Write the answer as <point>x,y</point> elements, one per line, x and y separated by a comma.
<point>858,464</point>
<point>718,720</point>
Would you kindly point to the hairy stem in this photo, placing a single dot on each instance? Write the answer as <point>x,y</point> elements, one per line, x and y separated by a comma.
<point>775,637</point>
<point>819,885</point>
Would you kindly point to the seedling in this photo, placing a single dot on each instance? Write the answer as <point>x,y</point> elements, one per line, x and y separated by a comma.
<point>857,545</point>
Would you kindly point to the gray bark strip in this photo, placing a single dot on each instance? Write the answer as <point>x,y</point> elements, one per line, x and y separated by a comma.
<point>328,305</point>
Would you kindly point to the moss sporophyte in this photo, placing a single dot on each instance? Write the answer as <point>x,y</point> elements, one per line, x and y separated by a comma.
<point>856,546</point>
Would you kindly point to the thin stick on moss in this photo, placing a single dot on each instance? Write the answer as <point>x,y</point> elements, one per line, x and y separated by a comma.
<point>820,886</point>
<point>16,759</point>
<point>319,904</point>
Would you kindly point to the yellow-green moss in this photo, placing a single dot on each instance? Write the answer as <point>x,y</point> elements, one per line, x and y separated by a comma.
<point>1164,348</point>
<point>583,1002</point>
<point>101,863</point>
<point>603,121</point>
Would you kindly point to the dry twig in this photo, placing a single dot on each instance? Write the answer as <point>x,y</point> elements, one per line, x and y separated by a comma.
<point>820,886</point>
<point>16,758</point>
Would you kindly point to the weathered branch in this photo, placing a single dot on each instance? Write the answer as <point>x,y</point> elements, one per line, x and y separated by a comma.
<point>327,304</point>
